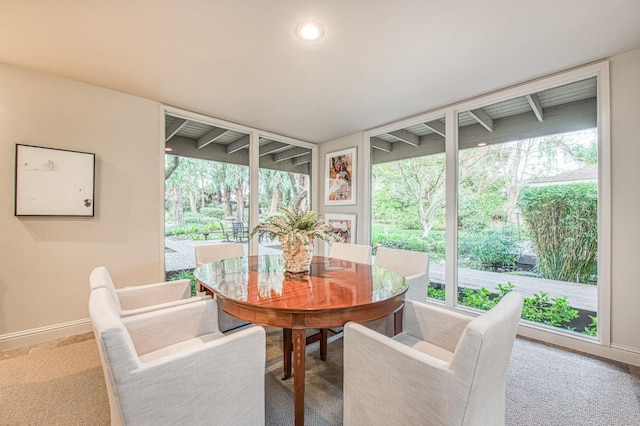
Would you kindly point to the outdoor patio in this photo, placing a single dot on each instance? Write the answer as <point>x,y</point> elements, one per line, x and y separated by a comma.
<point>579,296</point>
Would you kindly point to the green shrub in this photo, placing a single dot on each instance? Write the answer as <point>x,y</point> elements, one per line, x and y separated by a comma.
<point>555,311</point>
<point>402,242</point>
<point>213,212</point>
<point>490,248</point>
<point>540,308</point>
<point>435,292</point>
<point>184,230</point>
<point>185,274</point>
<point>592,329</point>
<point>195,218</point>
<point>563,223</point>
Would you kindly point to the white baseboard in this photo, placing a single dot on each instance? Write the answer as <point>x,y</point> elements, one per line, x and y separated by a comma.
<point>43,334</point>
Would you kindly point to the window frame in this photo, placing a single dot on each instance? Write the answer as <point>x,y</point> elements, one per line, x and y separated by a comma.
<point>601,72</point>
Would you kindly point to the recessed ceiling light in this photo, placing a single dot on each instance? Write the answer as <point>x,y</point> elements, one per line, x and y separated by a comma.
<point>482,144</point>
<point>309,31</point>
<point>167,149</point>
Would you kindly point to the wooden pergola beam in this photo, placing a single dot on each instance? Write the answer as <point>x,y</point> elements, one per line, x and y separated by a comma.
<point>482,118</point>
<point>436,127</point>
<point>406,137</point>
<point>174,128</point>
<point>536,107</point>
<point>211,136</point>
<point>381,145</point>
<point>241,143</point>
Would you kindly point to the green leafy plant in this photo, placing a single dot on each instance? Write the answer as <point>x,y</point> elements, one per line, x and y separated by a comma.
<point>435,293</point>
<point>491,249</point>
<point>185,274</point>
<point>540,308</point>
<point>563,223</point>
<point>479,299</point>
<point>592,329</point>
<point>294,224</point>
<point>551,311</point>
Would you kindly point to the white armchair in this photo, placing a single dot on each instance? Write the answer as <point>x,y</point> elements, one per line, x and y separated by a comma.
<point>143,298</point>
<point>443,369</point>
<point>173,366</point>
<point>208,253</point>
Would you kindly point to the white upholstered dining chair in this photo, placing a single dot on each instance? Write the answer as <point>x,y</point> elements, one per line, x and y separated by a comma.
<point>443,369</point>
<point>173,366</point>
<point>352,252</point>
<point>143,298</point>
<point>208,253</point>
<point>414,266</point>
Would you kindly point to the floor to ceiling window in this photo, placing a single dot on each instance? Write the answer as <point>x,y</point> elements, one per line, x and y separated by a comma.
<point>408,193</point>
<point>528,205</point>
<point>284,181</point>
<point>208,187</point>
<point>518,200</point>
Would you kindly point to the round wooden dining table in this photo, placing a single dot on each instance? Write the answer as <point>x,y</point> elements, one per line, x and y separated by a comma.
<point>258,290</point>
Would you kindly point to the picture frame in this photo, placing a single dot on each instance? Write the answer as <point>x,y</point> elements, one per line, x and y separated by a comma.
<point>340,177</point>
<point>54,182</point>
<point>343,227</point>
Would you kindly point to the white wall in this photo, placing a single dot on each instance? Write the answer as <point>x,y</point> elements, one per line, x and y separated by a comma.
<point>625,178</point>
<point>359,177</point>
<point>45,262</point>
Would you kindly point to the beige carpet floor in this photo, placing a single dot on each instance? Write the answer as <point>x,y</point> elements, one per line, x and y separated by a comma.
<point>64,385</point>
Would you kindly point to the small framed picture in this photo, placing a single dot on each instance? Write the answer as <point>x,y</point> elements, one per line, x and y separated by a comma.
<point>54,182</point>
<point>340,178</point>
<point>343,227</point>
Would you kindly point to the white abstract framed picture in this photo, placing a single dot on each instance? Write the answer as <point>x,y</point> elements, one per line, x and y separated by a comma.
<point>54,182</point>
<point>343,227</point>
<point>340,182</point>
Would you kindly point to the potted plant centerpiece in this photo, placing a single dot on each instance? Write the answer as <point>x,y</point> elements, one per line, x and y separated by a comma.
<point>296,229</point>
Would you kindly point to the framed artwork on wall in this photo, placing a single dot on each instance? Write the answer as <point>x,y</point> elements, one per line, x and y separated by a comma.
<point>343,227</point>
<point>340,173</point>
<point>54,182</point>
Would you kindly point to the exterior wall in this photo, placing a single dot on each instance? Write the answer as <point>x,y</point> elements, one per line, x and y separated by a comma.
<point>45,261</point>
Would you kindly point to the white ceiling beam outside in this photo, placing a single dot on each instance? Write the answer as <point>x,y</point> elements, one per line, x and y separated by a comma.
<point>303,159</point>
<point>381,145</point>
<point>290,153</point>
<point>241,143</point>
<point>482,118</point>
<point>174,128</point>
<point>406,137</point>
<point>211,136</point>
<point>536,107</point>
<point>271,148</point>
<point>436,127</point>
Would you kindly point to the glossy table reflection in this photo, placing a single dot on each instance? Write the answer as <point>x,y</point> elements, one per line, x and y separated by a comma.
<point>334,292</point>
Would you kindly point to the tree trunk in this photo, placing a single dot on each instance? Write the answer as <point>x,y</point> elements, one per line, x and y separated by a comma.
<point>275,200</point>
<point>175,162</point>
<point>192,202</point>
<point>228,210</point>
<point>178,218</point>
<point>240,202</point>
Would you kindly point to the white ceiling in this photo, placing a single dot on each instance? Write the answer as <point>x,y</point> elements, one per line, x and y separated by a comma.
<point>379,61</point>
